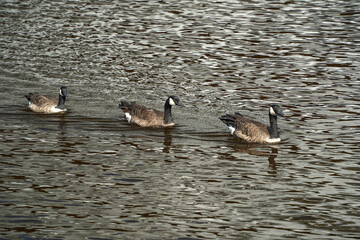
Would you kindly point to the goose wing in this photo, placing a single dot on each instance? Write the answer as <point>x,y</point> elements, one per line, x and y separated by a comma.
<point>250,130</point>
<point>142,115</point>
<point>144,112</point>
<point>41,100</point>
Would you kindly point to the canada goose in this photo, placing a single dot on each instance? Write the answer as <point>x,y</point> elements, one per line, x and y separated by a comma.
<point>47,104</point>
<point>147,117</point>
<point>253,131</point>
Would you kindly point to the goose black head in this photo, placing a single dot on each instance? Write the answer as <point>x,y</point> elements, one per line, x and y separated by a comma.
<point>275,110</point>
<point>174,100</point>
<point>63,91</point>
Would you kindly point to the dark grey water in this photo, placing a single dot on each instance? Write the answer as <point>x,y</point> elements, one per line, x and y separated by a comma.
<point>89,175</point>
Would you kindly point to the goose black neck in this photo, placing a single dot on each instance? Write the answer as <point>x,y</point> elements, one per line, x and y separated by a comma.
<point>61,102</point>
<point>167,113</point>
<point>273,128</point>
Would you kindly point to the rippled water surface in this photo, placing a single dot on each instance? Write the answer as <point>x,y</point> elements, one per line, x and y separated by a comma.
<point>88,174</point>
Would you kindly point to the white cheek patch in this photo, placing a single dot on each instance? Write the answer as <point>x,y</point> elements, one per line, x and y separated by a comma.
<point>60,93</point>
<point>171,102</point>
<point>128,117</point>
<point>272,112</point>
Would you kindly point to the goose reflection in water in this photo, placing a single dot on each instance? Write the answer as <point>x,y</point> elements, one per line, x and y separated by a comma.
<point>271,151</point>
<point>167,139</point>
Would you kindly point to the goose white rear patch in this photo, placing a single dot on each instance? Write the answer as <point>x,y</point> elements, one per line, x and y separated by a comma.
<point>128,117</point>
<point>231,129</point>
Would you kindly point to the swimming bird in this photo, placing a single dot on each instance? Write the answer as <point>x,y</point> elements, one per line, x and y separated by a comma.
<point>147,117</point>
<point>47,104</point>
<point>253,131</point>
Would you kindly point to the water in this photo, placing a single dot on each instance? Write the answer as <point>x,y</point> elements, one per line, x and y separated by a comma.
<point>90,175</point>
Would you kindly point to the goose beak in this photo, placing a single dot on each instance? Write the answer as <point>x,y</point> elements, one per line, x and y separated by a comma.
<point>180,104</point>
<point>280,113</point>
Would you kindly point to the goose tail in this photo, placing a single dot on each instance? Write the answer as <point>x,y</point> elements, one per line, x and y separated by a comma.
<point>28,96</point>
<point>124,105</point>
<point>228,119</point>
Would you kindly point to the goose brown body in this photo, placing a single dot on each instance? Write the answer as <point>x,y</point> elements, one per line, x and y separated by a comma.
<point>143,116</point>
<point>253,131</point>
<point>148,117</point>
<point>47,104</point>
<point>248,130</point>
